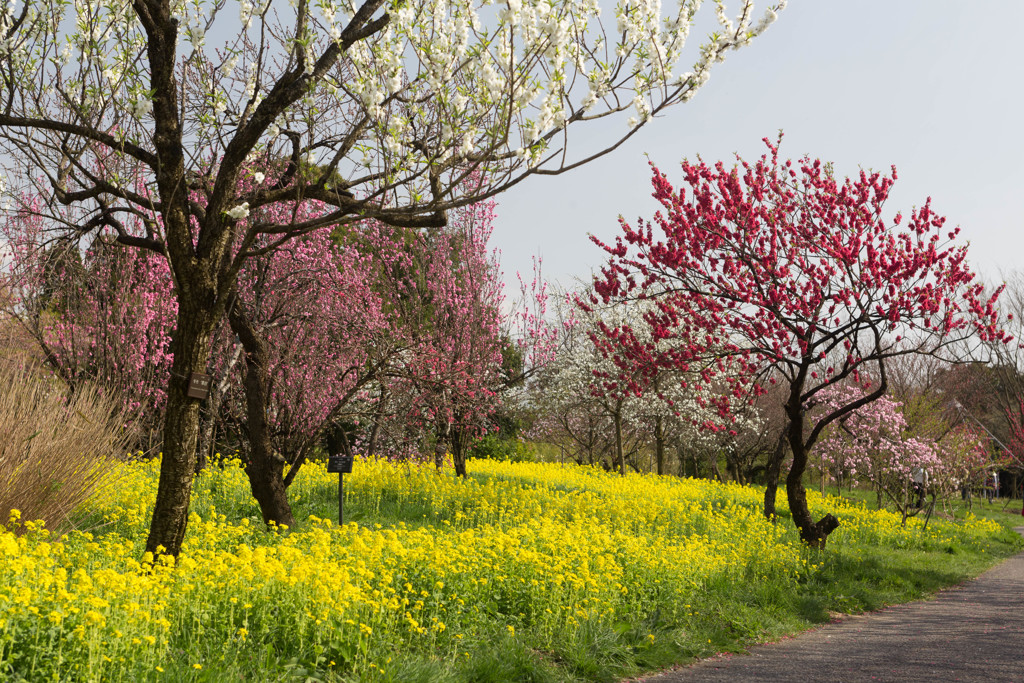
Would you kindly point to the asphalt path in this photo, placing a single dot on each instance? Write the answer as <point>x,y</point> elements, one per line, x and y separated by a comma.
<point>973,632</point>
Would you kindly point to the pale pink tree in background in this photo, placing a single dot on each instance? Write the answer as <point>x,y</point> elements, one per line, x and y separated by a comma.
<point>872,444</point>
<point>101,316</point>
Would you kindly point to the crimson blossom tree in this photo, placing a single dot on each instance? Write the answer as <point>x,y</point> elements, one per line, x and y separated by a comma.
<point>799,279</point>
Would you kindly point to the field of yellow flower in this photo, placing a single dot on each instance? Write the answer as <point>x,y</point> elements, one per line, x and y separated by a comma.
<point>528,571</point>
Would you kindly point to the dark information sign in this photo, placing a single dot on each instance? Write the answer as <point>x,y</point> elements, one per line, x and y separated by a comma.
<point>199,385</point>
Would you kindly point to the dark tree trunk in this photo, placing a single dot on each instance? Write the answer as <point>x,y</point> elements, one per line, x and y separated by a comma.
<point>459,451</point>
<point>814,534</point>
<point>659,444</point>
<point>772,473</point>
<point>266,472</point>
<point>441,447</point>
<point>337,442</point>
<point>195,291</point>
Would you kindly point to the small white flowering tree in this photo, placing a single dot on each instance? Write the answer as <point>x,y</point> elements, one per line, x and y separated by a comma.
<point>378,109</point>
<point>582,396</point>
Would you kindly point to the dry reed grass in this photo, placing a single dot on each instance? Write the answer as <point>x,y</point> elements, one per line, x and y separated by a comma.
<point>55,446</point>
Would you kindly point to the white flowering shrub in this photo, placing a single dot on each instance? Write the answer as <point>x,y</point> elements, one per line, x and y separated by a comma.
<point>580,394</point>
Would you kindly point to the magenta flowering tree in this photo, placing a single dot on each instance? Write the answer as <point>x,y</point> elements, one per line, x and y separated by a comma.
<point>447,303</point>
<point>796,277</point>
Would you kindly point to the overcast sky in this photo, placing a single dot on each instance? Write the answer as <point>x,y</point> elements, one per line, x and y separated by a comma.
<point>933,87</point>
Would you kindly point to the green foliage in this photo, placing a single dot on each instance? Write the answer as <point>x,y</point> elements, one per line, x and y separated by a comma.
<point>494,447</point>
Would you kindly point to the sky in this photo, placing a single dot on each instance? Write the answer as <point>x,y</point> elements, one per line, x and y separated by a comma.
<point>932,87</point>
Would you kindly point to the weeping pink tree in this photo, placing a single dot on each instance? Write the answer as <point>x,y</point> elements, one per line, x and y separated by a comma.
<point>447,299</point>
<point>796,277</point>
<point>101,315</point>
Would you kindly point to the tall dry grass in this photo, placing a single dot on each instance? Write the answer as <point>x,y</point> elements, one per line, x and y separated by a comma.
<point>55,446</point>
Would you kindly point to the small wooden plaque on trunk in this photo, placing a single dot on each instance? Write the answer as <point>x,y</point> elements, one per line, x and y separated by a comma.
<point>198,385</point>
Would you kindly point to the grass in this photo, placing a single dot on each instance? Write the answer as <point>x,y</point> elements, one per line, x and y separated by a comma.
<point>1004,511</point>
<point>522,572</point>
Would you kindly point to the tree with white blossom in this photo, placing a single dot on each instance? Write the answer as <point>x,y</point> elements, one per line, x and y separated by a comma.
<point>583,396</point>
<point>380,109</point>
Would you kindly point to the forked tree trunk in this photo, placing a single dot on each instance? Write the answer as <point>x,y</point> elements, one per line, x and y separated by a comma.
<point>814,534</point>
<point>265,472</point>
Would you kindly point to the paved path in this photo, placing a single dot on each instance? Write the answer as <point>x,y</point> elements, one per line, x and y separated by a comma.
<point>974,632</point>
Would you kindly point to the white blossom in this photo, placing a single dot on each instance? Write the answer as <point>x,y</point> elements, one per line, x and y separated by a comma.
<point>239,212</point>
<point>467,145</point>
<point>229,66</point>
<point>142,107</point>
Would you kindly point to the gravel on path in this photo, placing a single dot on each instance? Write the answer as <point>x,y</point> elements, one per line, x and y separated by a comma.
<point>974,632</point>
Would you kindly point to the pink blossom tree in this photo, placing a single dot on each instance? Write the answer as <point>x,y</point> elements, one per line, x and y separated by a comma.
<point>308,322</point>
<point>872,444</point>
<point>797,277</point>
<point>966,461</point>
<point>448,303</point>
<point>101,316</point>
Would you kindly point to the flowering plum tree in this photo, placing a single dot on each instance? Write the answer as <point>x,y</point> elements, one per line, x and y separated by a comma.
<point>798,278</point>
<point>872,443</point>
<point>361,99</point>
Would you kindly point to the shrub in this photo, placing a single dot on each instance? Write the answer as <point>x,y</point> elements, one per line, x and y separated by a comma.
<point>493,447</point>
<point>54,445</point>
